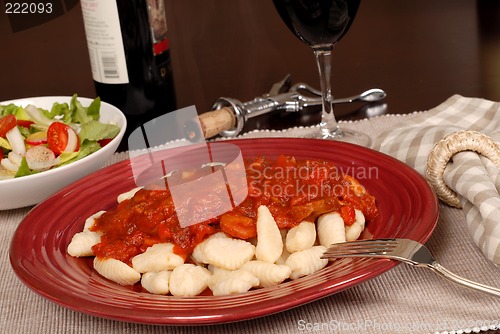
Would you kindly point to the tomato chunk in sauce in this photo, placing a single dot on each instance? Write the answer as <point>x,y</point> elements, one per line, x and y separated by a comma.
<point>293,190</point>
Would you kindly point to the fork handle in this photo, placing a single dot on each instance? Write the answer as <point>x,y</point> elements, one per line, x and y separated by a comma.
<point>439,269</point>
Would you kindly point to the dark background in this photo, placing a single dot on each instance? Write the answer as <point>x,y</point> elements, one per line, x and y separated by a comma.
<point>420,51</point>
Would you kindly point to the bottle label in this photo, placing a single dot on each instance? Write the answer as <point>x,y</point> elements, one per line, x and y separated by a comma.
<point>104,40</point>
<point>158,26</point>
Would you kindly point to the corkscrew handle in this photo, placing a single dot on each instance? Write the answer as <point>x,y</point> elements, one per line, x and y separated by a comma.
<point>228,116</point>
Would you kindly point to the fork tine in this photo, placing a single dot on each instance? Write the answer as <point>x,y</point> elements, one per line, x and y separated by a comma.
<point>365,244</point>
<point>368,242</point>
<point>362,247</point>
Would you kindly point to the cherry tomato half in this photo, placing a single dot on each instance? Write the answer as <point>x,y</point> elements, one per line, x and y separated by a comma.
<point>62,138</point>
<point>7,123</point>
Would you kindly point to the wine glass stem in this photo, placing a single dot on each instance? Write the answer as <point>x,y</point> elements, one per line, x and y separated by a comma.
<point>328,125</point>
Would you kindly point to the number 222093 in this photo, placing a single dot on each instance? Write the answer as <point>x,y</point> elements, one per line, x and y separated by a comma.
<point>28,8</point>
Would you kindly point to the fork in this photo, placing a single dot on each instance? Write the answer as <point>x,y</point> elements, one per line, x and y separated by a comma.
<point>404,250</point>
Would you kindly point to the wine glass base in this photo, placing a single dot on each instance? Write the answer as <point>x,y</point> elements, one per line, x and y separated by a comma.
<point>344,135</point>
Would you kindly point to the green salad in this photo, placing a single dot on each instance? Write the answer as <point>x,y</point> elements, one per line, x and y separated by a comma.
<point>33,139</point>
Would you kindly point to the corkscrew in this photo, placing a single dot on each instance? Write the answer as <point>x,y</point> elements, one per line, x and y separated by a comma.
<point>228,115</point>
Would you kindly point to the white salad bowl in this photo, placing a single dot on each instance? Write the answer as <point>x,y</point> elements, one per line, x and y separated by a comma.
<point>32,189</point>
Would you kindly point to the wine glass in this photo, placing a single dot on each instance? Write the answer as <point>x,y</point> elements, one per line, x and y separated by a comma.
<point>321,24</point>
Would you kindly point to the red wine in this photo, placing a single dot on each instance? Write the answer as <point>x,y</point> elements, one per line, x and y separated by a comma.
<point>130,58</point>
<point>318,22</point>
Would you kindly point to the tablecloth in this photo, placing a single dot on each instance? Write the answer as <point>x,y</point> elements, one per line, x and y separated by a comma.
<point>403,300</point>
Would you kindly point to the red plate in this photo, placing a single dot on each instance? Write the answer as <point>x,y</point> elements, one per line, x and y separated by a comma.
<point>408,209</point>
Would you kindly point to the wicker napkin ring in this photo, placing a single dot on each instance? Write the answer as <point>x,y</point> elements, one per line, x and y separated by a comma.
<point>444,150</point>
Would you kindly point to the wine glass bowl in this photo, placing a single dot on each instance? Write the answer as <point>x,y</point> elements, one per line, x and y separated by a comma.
<point>318,22</point>
<point>321,24</point>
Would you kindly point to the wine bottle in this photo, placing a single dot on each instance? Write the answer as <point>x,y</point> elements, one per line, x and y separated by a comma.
<point>130,58</point>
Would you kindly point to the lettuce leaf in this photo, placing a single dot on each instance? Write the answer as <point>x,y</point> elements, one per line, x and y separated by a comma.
<point>24,131</point>
<point>86,148</point>
<point>21,114</point>
<point>8,109</point>
<point>59,109</point>
<point>82,115</point>
<point>24,169</point>
<point>94,108</point>
<point>94,131</point>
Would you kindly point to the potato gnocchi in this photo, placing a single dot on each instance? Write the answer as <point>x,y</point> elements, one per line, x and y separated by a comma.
<point>230,282</point>
<point>158,257</point>
<point>306,262</point>
<point>269,274</point>
<point>227,253</point>
<point>300,237</point>
<point>269,241</point>
<point>116,271</point>
<point>225,265</point>
<point>188,280</point>
<point>156,282</point>
<point>262,252</point>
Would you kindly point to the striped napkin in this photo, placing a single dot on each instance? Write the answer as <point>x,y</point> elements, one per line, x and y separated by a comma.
<point>455,145</point>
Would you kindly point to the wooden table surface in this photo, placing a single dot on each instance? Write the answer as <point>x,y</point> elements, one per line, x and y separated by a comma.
<point>419,51</point>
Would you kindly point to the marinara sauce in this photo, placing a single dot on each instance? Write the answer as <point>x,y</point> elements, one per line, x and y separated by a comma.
<point>293,190</point>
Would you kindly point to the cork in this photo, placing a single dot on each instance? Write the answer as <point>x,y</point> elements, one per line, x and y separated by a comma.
<point>211,124</point>
<point>216,121</point>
